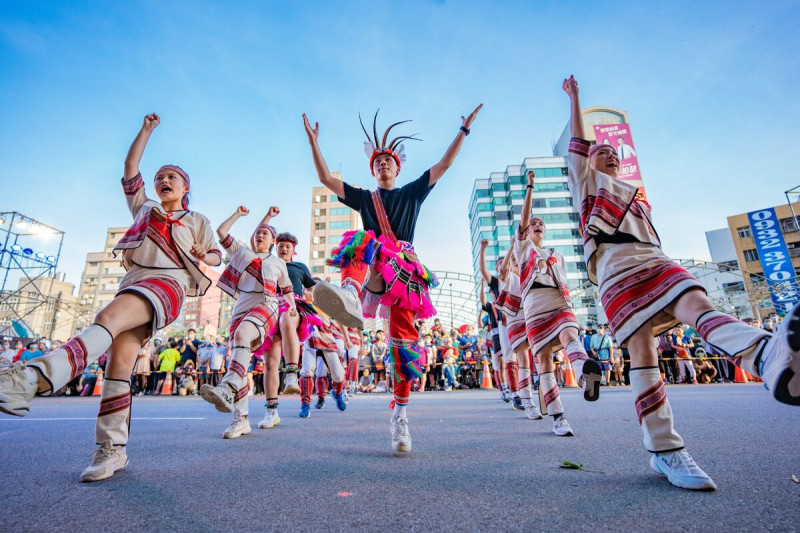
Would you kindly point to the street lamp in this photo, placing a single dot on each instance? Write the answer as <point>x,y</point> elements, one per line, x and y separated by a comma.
<point>451,306</point>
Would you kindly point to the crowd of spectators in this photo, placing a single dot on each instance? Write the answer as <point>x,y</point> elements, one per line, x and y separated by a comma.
<point>450,359</point>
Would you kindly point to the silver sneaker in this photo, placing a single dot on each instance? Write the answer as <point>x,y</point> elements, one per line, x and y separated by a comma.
<point>106,461</point>
<point>17,389</point>
<point>290,384</point>
<point>339,303</point>
<point>532,412</point>
<point>221,396</point>
<point>780,364</point>
<point>240,426</point>
<point>681,470</point>
<point>562,428</point>
<point>271,419</point>
<point>401,438</point>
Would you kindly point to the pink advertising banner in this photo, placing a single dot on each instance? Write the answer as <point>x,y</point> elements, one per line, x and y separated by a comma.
<point>619,136</point>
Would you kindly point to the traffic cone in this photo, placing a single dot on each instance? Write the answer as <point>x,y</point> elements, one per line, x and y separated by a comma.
<point>486,377</point>
<point>166,390</point>
<point>98,385</point>
<point>569,375</point>
<point>739,375</point>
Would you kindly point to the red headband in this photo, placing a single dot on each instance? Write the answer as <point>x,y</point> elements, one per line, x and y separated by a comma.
<point>387,151</point>
<point>261,226</point>
<point>596,147</point>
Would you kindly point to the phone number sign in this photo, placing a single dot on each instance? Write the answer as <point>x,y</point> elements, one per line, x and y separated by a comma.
<point>775,259</point>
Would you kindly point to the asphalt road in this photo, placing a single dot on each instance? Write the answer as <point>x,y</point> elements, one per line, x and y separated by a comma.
<point>476,465</point>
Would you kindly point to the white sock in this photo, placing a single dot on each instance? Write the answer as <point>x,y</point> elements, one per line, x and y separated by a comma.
<point>399,410</point>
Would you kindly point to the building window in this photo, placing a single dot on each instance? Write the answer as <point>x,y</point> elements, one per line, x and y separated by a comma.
<point>751,255</point>
<point>340,211</point>
<point>319,212</point>
<point>744,232</point>
<point>319,226</point>
<point>315,254</point>
<point>316,269</point>
<point>344,224</point>
<point>788,225</point>
<point>559,218</point>
<point>728,266</point>
<point>320,198</point>
<point>485,207</point>
<point>318,240</point>
<point>733,288</point>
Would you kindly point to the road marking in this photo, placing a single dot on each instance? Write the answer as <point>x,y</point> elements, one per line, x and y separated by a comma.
<point>95,418</point>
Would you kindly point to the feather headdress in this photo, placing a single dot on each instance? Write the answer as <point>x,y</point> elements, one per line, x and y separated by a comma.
<point>375,146</point>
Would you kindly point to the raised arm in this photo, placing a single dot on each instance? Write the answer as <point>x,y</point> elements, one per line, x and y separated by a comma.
<point>324,175</point>
<point>483,298</point>
<point>506,264</point>
<point>137,147</point>
<point>225,227</point>
<point>526,204</point>
<point>438,170</point>
<point>272,213</point>
<point>484,271</point>
<point>570,86</point>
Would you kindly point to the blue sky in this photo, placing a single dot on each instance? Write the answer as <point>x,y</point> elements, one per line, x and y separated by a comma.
<point>710,89</point>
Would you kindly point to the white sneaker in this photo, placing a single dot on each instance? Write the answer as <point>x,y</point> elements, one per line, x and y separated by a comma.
<point>271,419</point>
<point>562,428</point>
<point>339,303</point>
<point>780,364</point>
<point>240,426</point>
<point>681,470</point>
<point>505,396</point>
<point>221,396</point>
<point>18,386</point>
<point>107,459</point>
<point>532,412</point>
<point>290,384</point>
<point>401,438</point>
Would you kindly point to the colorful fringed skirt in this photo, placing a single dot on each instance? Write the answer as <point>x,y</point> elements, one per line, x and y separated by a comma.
<point>308,317</point>
<point>407,280</point>
<point>546,316</point>
<point>637,283</point>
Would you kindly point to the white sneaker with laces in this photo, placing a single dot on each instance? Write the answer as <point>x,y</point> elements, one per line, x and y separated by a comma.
<point>339,303</point>
<point>18,386</point>
<point>240,426</point>
<point>681,470</point>
<point>779,367</point>
<point>290,384</point>
<point>401,438</point>
<point>562,428</point>
<point>271,419</point>
<point>532,412</point>
<point>106,460</point>
<point>220,396</point>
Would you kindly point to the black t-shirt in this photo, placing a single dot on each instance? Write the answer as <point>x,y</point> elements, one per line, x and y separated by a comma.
<point>402,206</point>
<point>300,277</point>
<point>189,354</point>
<point>489,308</point>
<point>494,287</point>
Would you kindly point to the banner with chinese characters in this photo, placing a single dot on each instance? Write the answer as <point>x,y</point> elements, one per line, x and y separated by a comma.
<point>775,259</point>
<point>619,137</point>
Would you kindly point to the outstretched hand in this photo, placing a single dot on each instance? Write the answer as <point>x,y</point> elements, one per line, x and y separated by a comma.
<point>467,122</point>
<point>570,86</point>
<point>313,133</point>
<point>151,121</point>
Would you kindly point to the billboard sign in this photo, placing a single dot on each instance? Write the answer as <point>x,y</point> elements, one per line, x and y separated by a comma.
<point>775,259</point>
<point>619,137</point>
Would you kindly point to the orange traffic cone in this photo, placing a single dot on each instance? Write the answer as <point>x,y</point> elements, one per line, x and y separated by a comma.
<point>98,385</point>
<point>739,376</point>
<point>486,376</point>
<point>569,375</point>
<point>166,390</point>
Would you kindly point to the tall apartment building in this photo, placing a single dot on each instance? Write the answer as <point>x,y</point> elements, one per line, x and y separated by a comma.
<point>496,205</point>
<point>48,307</point>
<point>200,312</point>
<point>101,274</point>
<point>775,227</point>
<point>329,220</point>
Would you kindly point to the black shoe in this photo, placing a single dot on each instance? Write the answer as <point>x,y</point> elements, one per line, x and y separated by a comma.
<point>518,403</point>
<point>320,403</point>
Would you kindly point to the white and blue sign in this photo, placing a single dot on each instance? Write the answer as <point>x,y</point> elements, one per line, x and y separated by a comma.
<point>775,259</point>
